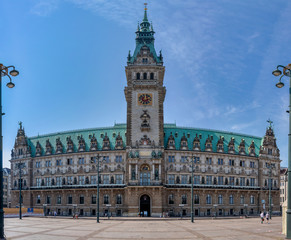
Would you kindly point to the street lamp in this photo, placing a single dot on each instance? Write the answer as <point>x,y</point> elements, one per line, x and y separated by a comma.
<point>287,73</point>
<point>13,73</point>
<point>192,188</point>
<point>98,167</point>
<point>20,166</point>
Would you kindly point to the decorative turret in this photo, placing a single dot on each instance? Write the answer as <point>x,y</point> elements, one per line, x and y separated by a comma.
<point>171,142</point>
<point>184,143</point>
<point>21,147</point>
<point>219,145</point>
<point>106,143</point>
<point>196,143</point>
<point>269,145</point>
<point>145,41</point>
<point>118,142</point>
<point>208,144</point>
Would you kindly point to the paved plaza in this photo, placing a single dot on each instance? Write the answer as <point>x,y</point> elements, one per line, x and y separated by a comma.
<point>141,228</point>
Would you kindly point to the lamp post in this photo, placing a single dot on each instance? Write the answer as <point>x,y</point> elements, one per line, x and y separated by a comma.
<point>3,72</point>
<point>192,188</point>
<point>287,73</point>
<point>20,166</point>
<point>98,167</point>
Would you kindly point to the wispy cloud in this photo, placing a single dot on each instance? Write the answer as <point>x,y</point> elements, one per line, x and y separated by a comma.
<point>44,8</point>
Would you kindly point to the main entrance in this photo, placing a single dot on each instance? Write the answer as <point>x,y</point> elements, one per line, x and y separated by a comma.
<point>145,205</point>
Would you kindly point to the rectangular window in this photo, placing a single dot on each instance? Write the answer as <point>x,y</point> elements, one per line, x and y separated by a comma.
<point>70,180</point>
<point>93,179</point>
<point>70,199</point>
<point>231,162</point>
<point>106,159</point>
<point>220,180</point>
<point>242,163</point>
<point>220,161</point>
<point>183,159</point>
<point>209,180</point>
<point>48,163</point>
<point>208,161</point>
<point>93,199</point>
<point>48,200</point>
<point>81,180</point>
<point>242,181</point>
<point>37,165</point>
<point>70,161</point>
<point>82,199</point>
<point>252,164</point>
<point>81,161</point>
<point>118,199</point>
<point>196,179</point>
<point>269,151</point>
<point>59,181</point>
<point>252,200</point>
<point>59,199</point>
<point>48,181</point>
<point>196,199</point>
<point>38,199</point>
<point>171,158</point>
<point>171,179</point>
<point>38,182</point>
<point>184,199</point>
<point>171,199</point>
<point>118,159</point>
<point>196,159</point>
<point>119,178</point>
<point>59,162</point>
<point>231,181</point>
<point>253,182</point>
<point>184,179</point>
<point>106,179</point>
<point>106,199</point>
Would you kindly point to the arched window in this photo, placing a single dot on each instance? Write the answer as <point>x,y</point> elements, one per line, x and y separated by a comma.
<point>118,199</point>
<point>220,199</point>
<point>145,76</point>
<point>242,199</point>
<point>196,199</point>
<point>152,76</point>
<point>138,76</point>
<point>184,199</point>
<point>231,199</point>
<point>106,199</point>
<point>171,199</point>
<point>208,199</point>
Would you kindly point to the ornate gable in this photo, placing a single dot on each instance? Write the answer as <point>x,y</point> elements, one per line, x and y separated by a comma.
<point>184,143</point>
<point>171,142</point>
<point>196,143</point>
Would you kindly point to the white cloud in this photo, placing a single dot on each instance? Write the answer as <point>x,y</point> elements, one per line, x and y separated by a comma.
<point>44,8</point>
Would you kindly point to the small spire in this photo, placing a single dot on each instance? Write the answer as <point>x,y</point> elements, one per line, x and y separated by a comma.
<point>270,122</point>
<point>138,26</point>
<point>152,28</point>
<point>145,18</point>
<point>20,124</point>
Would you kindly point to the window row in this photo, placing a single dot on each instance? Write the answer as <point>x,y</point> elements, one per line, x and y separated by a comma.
<point>80,161</point>
<point>211,180</point>
<point>79,200</point>
<point>79,180</point>
<point>208,199</point>
<point>145,75</point>
<point>209,161</point>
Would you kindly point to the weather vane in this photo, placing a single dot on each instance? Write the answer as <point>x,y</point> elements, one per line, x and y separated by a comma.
<point>270,122</point>
<point>20,124</point>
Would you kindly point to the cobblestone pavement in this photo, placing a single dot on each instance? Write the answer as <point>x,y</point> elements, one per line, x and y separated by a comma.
<point>141,228</point>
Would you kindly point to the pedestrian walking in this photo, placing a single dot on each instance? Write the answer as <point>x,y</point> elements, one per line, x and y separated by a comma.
<point>262,217</point>
<point>267,217</point>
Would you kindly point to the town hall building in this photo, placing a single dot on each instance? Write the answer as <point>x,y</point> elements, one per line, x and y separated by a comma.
<point>146,164</point>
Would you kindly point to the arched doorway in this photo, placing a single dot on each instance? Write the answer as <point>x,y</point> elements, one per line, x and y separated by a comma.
<point>145,205</point>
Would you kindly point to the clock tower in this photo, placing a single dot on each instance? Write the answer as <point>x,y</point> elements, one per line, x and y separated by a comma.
<point>145,92</point>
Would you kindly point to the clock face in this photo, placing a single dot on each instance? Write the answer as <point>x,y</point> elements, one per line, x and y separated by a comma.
<point>145,99</point>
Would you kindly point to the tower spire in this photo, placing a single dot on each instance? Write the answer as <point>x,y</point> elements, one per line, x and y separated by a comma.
<point>145,17</point>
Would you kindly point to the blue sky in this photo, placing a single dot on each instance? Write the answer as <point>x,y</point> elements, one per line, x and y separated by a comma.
<point>71,54</point>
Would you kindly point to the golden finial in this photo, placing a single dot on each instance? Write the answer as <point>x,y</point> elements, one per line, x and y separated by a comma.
<point>145,6</point>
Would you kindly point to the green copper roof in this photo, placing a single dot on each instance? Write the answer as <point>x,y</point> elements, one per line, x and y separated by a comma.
<point>112,133</point>
<point>145,37</point>
<point>178,132</point>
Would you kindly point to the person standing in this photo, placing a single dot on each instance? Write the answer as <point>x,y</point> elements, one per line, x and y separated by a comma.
<point>267,217</point>
<point>262,217</point>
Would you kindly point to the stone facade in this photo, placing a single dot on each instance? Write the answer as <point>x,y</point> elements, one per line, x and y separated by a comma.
<point>145,164</point>
<point>6,187</point>
<point>283,185</point>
